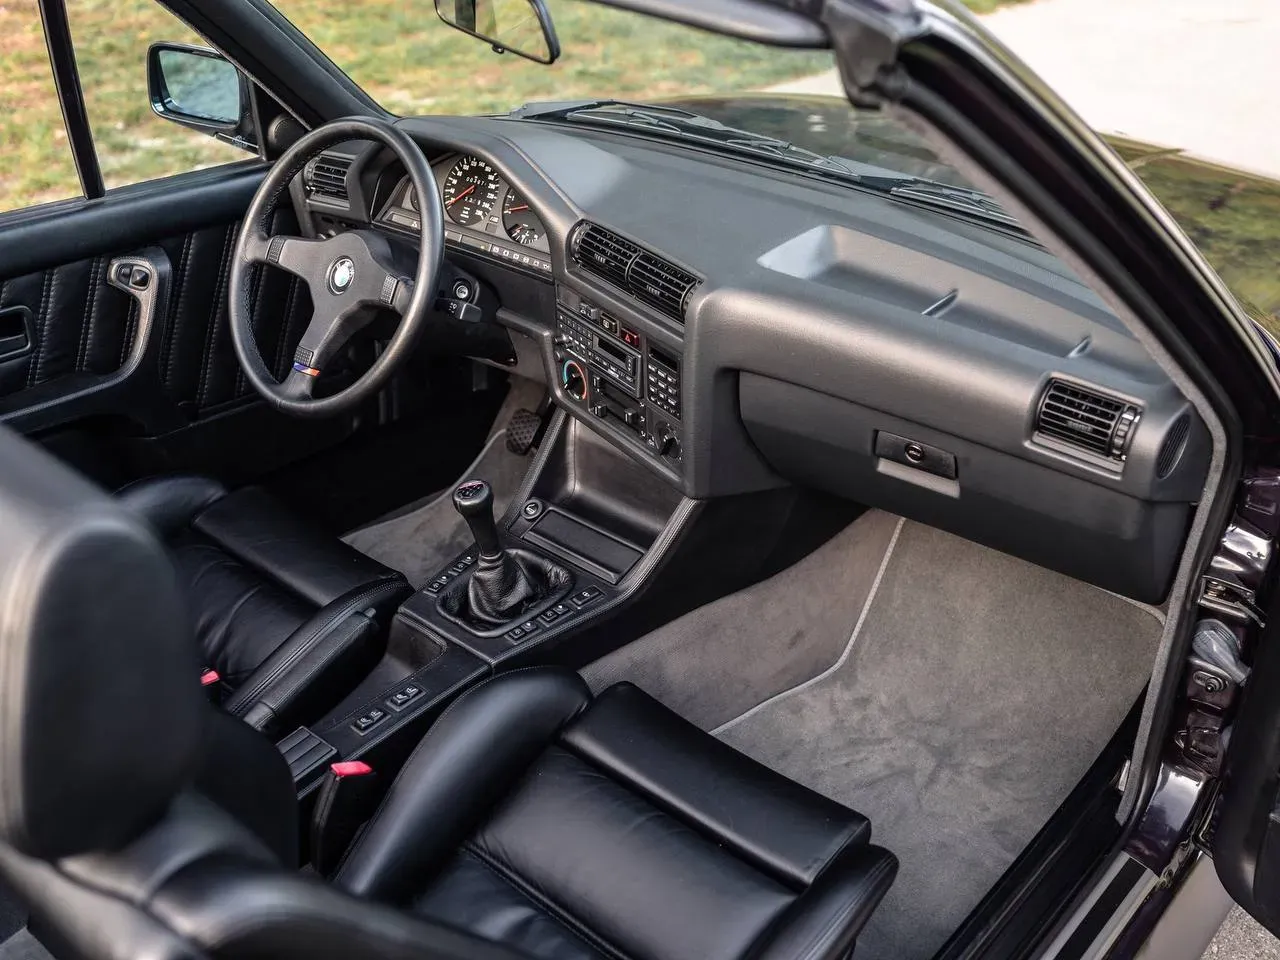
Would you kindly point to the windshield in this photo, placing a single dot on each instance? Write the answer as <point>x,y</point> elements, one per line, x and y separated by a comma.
<point>411,63</point>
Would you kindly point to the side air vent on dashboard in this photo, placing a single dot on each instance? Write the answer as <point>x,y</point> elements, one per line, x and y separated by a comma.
<point>644,275</point>
<point>327,176</point>
<point>1175,442</point>
<point>1087,419</point>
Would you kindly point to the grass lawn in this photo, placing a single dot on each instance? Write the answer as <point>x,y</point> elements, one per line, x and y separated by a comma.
<point>396,49</point>
<point>412,63</point>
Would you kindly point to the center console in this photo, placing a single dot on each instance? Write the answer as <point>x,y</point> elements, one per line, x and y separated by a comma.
<point>581,538</point>
<point>630,385</point>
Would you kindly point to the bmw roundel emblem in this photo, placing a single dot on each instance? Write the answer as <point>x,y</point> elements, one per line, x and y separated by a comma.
<point>341,273</point>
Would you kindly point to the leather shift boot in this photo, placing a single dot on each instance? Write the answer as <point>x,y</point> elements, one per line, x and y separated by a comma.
<point>502,589</point>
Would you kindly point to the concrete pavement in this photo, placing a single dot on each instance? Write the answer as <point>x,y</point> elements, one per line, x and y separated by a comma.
<point>1195,74</point>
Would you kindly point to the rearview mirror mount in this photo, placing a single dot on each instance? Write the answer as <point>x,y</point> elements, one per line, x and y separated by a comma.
<point>522,27</point>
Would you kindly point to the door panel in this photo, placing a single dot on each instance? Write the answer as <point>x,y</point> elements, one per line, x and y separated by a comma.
<point>82,325</point>
<point>78,324</point>
<point>80,371</point>
<point>198,367</point>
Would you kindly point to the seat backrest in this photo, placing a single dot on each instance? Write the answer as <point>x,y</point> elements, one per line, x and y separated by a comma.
<point>112,829</point>
<point>98,675</point>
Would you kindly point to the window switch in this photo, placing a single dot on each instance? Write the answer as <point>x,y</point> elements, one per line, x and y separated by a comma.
<point>404,696</point>
<point>367,721</point>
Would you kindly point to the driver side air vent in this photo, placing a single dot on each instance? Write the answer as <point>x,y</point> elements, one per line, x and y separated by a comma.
<point>644,275</point>
<point>1087,419</point>
<point>327,176</point>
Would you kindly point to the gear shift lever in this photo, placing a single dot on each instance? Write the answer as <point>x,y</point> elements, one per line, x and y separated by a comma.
<point>474,500</point>
<point>505,582</point>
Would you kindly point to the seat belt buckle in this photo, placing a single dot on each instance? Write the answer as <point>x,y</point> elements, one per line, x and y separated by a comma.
<point>211,680</point>
<point>349,793</point>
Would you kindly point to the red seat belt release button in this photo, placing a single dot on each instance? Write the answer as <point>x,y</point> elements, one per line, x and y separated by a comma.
<point>350,768</point>
<point>209,678</point>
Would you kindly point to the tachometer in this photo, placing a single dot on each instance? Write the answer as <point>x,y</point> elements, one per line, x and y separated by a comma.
<point>470,191</point>
<point>521,224</point>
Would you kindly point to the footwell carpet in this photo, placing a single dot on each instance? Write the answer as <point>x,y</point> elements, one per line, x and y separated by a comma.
<point>963,695</point>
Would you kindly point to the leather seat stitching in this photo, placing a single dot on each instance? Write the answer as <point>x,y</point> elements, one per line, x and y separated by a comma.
<point>303,678</point>
<point>526,890</point>
<point>345,611</point>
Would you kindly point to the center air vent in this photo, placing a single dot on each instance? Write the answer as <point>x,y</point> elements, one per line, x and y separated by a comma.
<point>328,176</point>
<point>1087,419</point>
<point>644,275</point>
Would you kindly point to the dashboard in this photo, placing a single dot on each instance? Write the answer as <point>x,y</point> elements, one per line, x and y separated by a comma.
<point>736,328</point>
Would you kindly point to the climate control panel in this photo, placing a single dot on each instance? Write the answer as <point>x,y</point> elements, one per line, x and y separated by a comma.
<point>627,385</point>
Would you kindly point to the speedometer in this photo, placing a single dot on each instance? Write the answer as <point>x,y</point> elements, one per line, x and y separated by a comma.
<point>470,191</point>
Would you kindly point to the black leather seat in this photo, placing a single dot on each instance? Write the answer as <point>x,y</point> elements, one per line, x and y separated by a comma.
<point>136,820</point>
<point>569,829</point>
<point>287,616</point>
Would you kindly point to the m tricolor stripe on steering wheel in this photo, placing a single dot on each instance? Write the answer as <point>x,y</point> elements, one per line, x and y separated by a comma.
<point>303,368</point>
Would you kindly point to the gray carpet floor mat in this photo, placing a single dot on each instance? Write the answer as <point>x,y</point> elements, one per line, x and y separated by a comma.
<point>718,660</point>
<point>960,694</point>
<point>419,541</point>
<point>23,946</point>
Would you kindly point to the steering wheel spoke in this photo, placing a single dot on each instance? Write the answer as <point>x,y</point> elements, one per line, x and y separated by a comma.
<point>294,254</point>
<point>298,385</point>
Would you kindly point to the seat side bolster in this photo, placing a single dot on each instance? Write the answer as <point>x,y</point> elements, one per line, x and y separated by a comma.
<point>337,639</point>
<point>788,831</point>
<point>468,761</point>
<point>825,920</point>
<point>172,503</point>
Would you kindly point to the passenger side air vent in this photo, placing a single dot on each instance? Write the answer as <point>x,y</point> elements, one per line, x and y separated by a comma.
<point>1087,419</point>
<point>328,177</point>
<point>644,275</point>
<point>1175,442</point>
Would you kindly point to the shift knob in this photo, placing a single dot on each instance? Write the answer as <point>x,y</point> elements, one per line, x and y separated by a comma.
<point>474,500</point>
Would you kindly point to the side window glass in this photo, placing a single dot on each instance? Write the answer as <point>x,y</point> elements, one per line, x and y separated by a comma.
<point>133,144</point>
<point>37,166</point>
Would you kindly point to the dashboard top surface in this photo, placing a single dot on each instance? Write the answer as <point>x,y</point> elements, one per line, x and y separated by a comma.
<point>841,290</point>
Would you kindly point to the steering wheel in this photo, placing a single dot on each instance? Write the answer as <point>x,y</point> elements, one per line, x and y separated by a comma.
<point>348,275</point>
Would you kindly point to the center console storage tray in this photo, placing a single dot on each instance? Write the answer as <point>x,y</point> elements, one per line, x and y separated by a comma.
<point>584,545</point>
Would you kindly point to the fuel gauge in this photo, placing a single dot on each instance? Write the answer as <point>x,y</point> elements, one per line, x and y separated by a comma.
<point>522,224</point>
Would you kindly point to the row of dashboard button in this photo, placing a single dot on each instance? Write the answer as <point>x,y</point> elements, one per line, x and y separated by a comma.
<point>554,613</point>
<point>441,581</point>
<point>515,255</point>
<point>397,701</point>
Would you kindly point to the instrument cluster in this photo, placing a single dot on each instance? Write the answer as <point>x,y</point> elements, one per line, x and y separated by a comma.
<point>475,197</point>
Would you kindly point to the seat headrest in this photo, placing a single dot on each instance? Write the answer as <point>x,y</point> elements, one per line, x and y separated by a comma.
<point>100,703</point>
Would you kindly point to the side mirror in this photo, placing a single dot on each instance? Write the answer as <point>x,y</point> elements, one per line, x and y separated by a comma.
<point>522,27</point>
<point>197,88</point>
